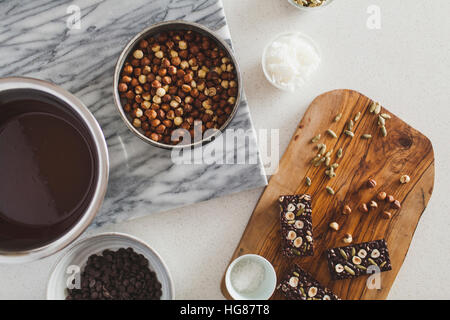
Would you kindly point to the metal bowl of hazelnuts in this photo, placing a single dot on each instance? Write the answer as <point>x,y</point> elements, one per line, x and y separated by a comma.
<point>177,85</point>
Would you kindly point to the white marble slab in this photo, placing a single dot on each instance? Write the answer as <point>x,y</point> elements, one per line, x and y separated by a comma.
<point>36,42</point>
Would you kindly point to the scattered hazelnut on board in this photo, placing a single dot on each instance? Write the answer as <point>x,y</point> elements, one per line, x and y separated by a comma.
<point>348,238</point>
<point>373,205</point>
<point>363,208</point>
<point>371,183</point>
<point>396,204</point>
<point>405,179</point>
<point>347,210</point>
<point>382,195</point>
<point>390,198</point>
<point>334,226</point>
<point>386,215</point>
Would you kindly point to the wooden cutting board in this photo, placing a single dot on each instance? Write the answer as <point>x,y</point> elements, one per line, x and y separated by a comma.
<point>404,151</point>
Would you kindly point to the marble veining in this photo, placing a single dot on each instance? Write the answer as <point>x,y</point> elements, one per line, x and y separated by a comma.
<point>35,41</point>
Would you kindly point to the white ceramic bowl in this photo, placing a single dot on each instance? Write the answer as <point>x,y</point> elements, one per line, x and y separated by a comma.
<point>326,4</point>
<point>267,287</point>
<point>266,48</point>
<point>78,254</point>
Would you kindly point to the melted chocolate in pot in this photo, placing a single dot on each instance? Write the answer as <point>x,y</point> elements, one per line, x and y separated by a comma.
<point>47,170</point>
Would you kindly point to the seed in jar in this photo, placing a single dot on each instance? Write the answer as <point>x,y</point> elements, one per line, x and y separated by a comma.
<point>313,140</point>
<point>332,133</point>
<point>404,179</point>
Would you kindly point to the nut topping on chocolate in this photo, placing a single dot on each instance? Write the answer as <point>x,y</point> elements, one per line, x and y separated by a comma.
<point>290,216</point>
<point>291,207</point>
<point>299,224</point>
<point>362,253</point>
<point>291,235</point>
<point>293,282</point>
<point>339,268</point>
<point>356,260</point>
<point>298,242</point>
<point>312,292</point>
<point>375,253</point>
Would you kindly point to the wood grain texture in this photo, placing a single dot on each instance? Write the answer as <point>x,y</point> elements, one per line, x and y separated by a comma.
<point>404,151</point>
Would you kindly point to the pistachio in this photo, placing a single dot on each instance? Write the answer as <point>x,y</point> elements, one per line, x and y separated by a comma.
<point>366,136</point>
<point>308,181</point>
<point>353,252</point>
<point>331,133</point>
<point>383,264</point>
<point>338,117</point>
<point>330,190</point>
<point>316,138</point>
<point>372,261</point>
<point>361,267</point>
<point>349,133</point>
<point>343,254</point>
<point>350,125</point>
<point>296,274</point>
<point>349,270</point>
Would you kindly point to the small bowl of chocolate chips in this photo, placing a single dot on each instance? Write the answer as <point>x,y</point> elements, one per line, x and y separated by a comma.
<point>110,266</point>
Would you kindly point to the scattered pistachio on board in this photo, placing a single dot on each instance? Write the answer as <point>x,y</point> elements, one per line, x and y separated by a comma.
<point>338,117</point>
<point>349,133</point>
<point>330,190</point>
<point>332,133</point>
<point>339,153</point>
<point>350,125</point>
<point>358,115</point>
<point>316,138</point>
<point>308,181</point>
<point>366,136</point>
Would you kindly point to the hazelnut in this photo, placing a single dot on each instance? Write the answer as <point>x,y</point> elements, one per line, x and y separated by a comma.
<point>159,54</point>
<point>142,79</point>
<point>334,226</point>
<point>396,204</point>
<point>178,121</point>
<point>348,238</point>
<point>363,208</point>
<point>160,92</point>
<point>128,70</point>
<point>202,74</point>
<point>382,195</point>
<point>137,123</point>
<point>373,205</point>
<point>405,179</point>
<point>347,210</point>
<point>386,215</point>
<point>154,137</point>
<point>123,87</point>
<point>184,64</point>
<point>155,47</point>
<point>390,198</point>
<point>156,84</point>
<point>138,54</point>
<point>182,45</point>
<point>371,183</point>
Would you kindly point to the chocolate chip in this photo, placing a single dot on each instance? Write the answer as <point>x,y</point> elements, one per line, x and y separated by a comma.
<point>120,275</point>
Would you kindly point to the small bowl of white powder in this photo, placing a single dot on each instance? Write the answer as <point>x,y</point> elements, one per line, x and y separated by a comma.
<point>290,60</point>
<point>251,277</point>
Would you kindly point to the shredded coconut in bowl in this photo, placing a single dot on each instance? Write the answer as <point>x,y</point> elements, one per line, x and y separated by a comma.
<point>290,60</point>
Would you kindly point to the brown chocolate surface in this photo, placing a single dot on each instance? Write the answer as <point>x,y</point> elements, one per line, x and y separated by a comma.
<point>47,170</point>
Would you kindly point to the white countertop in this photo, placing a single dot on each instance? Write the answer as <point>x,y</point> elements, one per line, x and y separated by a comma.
<point>405,65</point>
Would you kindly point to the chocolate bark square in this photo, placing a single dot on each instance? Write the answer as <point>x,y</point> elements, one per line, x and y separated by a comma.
<point>359,259</point>
<point>296,225</point>
<point>300,285</point>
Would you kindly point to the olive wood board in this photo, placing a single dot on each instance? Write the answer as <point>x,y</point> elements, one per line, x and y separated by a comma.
<point>403,151</point>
